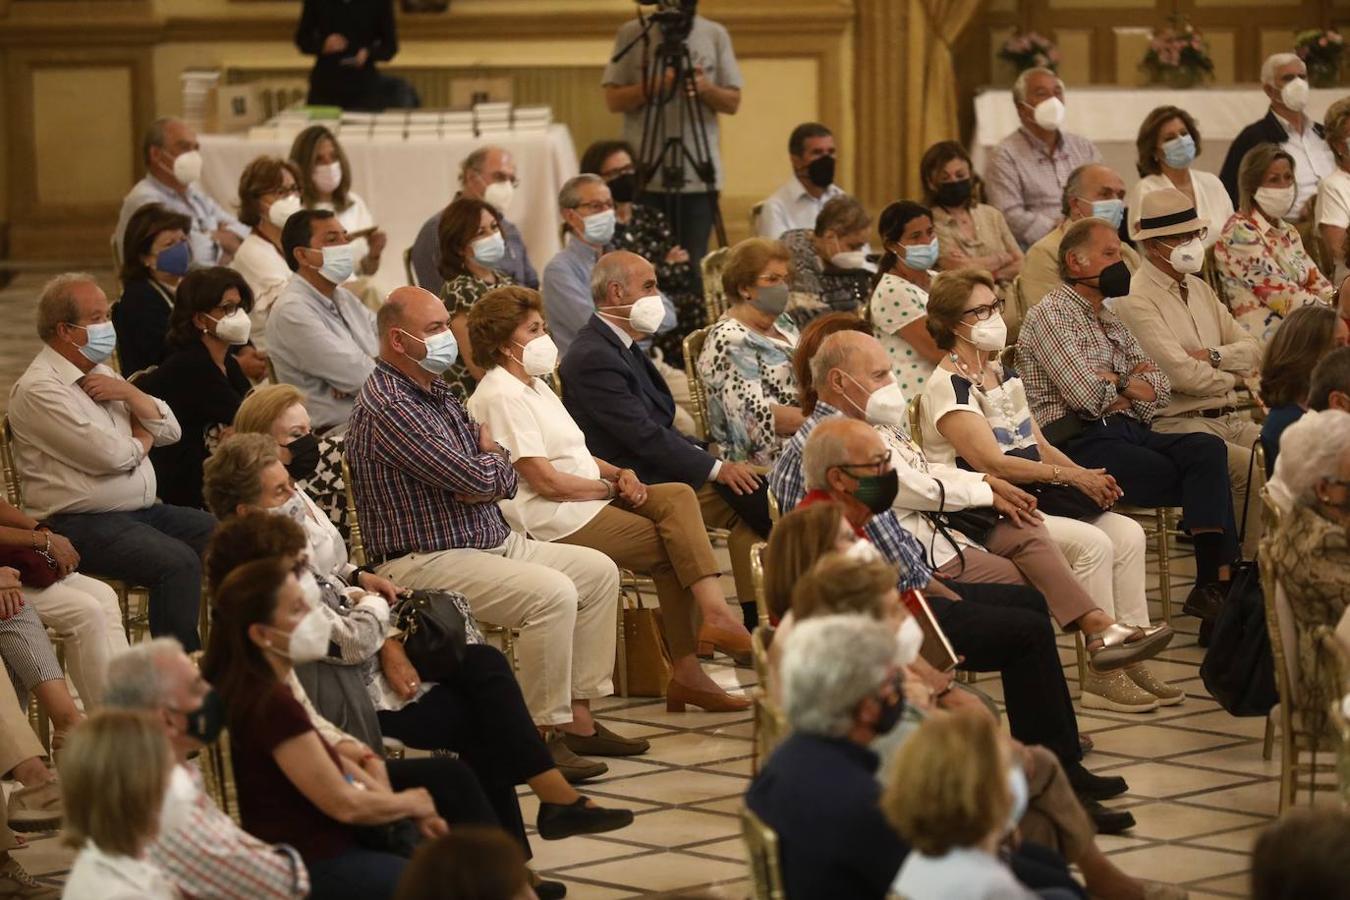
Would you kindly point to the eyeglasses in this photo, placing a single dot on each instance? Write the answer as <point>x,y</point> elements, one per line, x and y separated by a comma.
<point>984,312</point>
<point>596,205</point>
<point>877,463</point>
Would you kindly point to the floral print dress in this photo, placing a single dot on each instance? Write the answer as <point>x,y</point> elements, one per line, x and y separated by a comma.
<point>459,294</point>
<point>746,374</point>
<point>648,235</point>
<point>1266,273</point>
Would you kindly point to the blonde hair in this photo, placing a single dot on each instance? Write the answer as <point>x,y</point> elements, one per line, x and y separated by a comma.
<point>838,584</point>
<point>114,771</point>
<point>264,405</point>
<point>954,788</point>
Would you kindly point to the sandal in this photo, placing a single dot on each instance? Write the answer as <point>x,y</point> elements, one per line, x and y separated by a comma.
<point>1122,645</point>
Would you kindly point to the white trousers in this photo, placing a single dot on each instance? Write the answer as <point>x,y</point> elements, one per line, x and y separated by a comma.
<point>85,613</point>
<point>1107,557</point>
<point>563,599</point>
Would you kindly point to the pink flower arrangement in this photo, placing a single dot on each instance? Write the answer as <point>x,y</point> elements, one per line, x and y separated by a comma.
<point>1178,54</point>
<point>1321,51</point>
<point>1027,50</point>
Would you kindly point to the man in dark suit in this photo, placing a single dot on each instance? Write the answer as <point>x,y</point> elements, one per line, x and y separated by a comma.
<point>623,406</point>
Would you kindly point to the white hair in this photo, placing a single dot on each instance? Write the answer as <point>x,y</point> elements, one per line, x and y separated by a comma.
<point>824,449</point>
<point>1310,451</point>
<point>830,664</point>
<point>1273,62</point>
<point>135,678</point>
<point>1020,85</point>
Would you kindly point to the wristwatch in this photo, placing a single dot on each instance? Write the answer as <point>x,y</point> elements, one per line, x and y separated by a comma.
<point>1215,357</point>
<point>1123,383</point>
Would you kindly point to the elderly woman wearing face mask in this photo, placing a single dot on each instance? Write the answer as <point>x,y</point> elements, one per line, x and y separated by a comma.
<point>828,271</point>
<point>269,194</point>
<point>1266,271</point>
<point>898,307</point>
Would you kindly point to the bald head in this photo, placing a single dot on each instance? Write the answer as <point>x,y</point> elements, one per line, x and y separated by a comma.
<point>836,442</point>
<point>621,277</point>
<point>847,368</point>
<point>406,319</point>
<point>1087,184</point>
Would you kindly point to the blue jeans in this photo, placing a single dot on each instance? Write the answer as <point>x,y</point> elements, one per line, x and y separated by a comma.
<point>159,548</point>
<point>358,874</point>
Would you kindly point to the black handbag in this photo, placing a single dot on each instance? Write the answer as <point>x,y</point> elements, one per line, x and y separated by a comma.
<point>434,633</point>
<point>974,522</point>
<point>1065,500</point>
<point>399,837</point>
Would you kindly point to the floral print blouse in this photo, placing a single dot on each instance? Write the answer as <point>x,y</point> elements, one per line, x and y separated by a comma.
<point>648,235</point>
<point>459,294</point>
<point>1266,273</point>
<point>829,289</point>
<point>746,374</point>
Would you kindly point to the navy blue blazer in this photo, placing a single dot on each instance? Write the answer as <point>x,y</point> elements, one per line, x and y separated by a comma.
<point>623,406</point>
<point>1266,130</point>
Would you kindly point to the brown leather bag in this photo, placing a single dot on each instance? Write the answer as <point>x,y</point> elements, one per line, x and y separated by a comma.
<point>643,655</point>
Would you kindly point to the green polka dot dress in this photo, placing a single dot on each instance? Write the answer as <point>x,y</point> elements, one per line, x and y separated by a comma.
<point>894,304</point>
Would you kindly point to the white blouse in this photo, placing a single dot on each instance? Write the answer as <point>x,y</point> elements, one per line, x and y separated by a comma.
<point>102,876</point>
<point>1211,200</point>
<point>530,421</point>
<point>894,304</point>
<point>266,273</point>
<point>1333,208</point>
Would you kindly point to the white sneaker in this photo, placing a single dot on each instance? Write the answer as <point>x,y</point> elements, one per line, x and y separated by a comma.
<point>1116,692</point>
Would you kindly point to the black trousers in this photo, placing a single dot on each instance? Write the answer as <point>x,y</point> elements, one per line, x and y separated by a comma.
<point>1044,871</point>
<point>480,715</point>
<point>691,218</point>
<point>1155,469</point>
<point>1006,628</point>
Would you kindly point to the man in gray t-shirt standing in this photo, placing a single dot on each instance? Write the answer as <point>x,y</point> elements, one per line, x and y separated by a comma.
<point>717,80</point>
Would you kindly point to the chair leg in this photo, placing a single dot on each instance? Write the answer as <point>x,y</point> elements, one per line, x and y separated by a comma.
<point>1164,565</point>
<point>622,662</point>
<point>1080,646</point>
<point>1268,748</point>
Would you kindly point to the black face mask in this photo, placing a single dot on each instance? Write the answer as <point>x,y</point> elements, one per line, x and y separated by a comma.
<point>820,171</point>
<point>304,457</point>
<point>892,707</point>
<point>624,188</point>
<point>953,193</point>
<point>204,724</point>
<point>1113,281</point>
<point>877,492</point>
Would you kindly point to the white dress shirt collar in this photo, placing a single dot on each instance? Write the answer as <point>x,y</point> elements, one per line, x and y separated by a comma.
<point>624,337</point>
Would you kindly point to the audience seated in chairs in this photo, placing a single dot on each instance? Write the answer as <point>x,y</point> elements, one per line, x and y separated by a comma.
<point>269,194</point>
<point>970,232</point>
<point>121,788</point>
<point>1095,396</point>
<point>1168,145</point>
<point>827,261</point>
<point>566,495</point>
<point>201,852</point>
<point>320,337</point>
<point>487,174</point>
<point>200,379</point>
<point>81,440</point>
<point>746,363</point>
<point>1266,271</point>
<point>35,804</point>
<point>622,405</point>
<point>326,183</point>
<point>428,480</point>
<point>898,306</point>
<point>155,256</point>
<point>813,155</point>
<point>1309,335</point>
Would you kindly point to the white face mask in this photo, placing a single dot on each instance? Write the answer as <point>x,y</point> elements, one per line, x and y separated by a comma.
<point>175,809</point>
<point>309,585</point>
<point>233,329</point>
<point>283,209</point>
<point>908,641</point>
<point>885,406</point>
<point>1188,258</point>
<point>539,356</point>
<point>849,259</point>
<point>499,194</point>
<point>327,178</point>
<point>1276,202</point>
<point>309,641</point>
<point>990,335</point>
<point>645,315</point>
<point>293,509</point>
<point>864,551</point>
<point>1049,113</point>
<point>1295,94</point>
<point>187,167</point>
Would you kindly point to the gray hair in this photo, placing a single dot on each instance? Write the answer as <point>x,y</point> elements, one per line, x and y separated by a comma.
<point>824,449</point>
<point>57,303</point>
<point>1273,62</point>
<point>154,136</point>
<point>135,678</point>
<point>1310,451</point>
<point>830,665</point>
<point>1078,236</point>
<point>1019,87</point>
<point>612,268</point>
<point>570,195</point>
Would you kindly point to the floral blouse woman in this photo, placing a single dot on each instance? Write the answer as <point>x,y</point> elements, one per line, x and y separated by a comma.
<point>471,244</point>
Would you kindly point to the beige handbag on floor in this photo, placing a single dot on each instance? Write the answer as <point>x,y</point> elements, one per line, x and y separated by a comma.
<point>643,655</point>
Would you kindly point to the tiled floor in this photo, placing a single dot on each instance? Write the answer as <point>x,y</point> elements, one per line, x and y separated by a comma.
<point>1198,786</point>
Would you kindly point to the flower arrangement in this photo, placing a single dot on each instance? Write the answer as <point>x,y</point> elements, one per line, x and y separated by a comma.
<point>1178,55</point>
<point>1029,50</point>
<point>1321,50</point>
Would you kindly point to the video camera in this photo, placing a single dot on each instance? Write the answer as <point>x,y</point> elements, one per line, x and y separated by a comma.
<point>675,16</point>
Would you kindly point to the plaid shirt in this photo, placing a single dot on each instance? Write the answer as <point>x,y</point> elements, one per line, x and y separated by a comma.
<point>211,858</point>
<point>885,531</point>
<point>1025,180</point>
<point>411,451</point>
<point>1063,344</point>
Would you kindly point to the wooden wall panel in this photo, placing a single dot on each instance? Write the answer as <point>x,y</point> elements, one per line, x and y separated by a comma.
<point>68,103</point>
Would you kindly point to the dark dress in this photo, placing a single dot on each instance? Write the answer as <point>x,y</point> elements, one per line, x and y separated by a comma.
<point>141,318</point>
<point>648,234</point>
<point>366,24</point>
<point>203,399</point>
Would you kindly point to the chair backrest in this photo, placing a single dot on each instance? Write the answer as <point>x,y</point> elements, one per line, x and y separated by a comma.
<point>408,267</point>
<point>1014,308</point>
<point>1280,627</point>
<point>217,767</point>
<point>774,513</point>
<point>714,297</point>
<point>757,579</point>
<point>356,548</point>
<point>756,213</point>
<point>13,487</point>
<point>916,419</point>
<point>761,850</point>
<point>698,392</point>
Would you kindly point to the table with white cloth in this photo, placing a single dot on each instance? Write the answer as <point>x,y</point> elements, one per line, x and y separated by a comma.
<point>405,182</point>
<point>1110,118</point>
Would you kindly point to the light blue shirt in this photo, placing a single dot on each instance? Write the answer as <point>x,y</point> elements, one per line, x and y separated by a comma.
<point>206,214</point>
<point>325,348</point>
<point>566,287</point>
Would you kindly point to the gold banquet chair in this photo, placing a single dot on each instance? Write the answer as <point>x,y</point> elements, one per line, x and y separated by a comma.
<point>217,767</point>
<point>761,850</point>
<point>698,391</point>
<point>714,296</point>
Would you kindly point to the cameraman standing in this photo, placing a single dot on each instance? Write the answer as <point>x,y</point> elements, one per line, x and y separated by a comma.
<point>634,81</point>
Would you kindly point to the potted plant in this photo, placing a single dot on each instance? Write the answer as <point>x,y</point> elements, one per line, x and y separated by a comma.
<point>1029,50</point>
<point>1178,56</point>
<point>1320,49</point>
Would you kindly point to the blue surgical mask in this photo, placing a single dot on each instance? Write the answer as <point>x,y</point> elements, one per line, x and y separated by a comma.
<point>339,262</point>
<point>102,341</point>
<point>489,251</point>
<point>442,351</point>
<point>922,256</point>
<point>1113,211</point>
<point>598,228</point>
<point>1179,152</point>
<point>174,260</point>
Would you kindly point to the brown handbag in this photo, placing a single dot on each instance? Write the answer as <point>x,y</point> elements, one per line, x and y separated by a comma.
<point>643,656</point>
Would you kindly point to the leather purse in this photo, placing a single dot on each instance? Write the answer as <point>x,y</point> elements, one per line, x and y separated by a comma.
<point>1065,500</point>
<point>644,656</point>
<point>36,569</point>
<point>434,633</point>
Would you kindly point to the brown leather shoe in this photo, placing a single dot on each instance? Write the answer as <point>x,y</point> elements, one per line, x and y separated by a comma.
<point>678,695</point>
<point>572,767</point>
<point>605,743</point>
<point>733,642</point>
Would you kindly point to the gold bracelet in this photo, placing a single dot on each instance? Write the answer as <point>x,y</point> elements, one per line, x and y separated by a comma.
<point>1054,475</point>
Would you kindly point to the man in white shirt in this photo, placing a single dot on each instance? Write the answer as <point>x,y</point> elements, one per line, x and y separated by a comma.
<point>320,336</point>
<point>812,152</point>
<point>173,165</point>
<point>82,437</point>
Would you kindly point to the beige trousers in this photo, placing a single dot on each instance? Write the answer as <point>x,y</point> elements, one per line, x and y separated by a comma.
<point>563,599</point>
<point>1240,434</point>
<point>85,613</point>
<point>717,513</point>
<point>17,741</point>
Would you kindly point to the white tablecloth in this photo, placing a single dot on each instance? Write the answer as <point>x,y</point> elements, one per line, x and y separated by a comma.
<point>405,182</point>
<point>1111,116</point>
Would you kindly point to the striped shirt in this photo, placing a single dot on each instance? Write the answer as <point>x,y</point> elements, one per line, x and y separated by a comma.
<point>411,451</point>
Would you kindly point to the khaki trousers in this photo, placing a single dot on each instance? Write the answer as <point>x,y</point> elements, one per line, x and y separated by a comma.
<point>564,600</point>
<point>1240,434</point>
<point>17,741</point>
<point>665,539</point>
<point>717,513</point>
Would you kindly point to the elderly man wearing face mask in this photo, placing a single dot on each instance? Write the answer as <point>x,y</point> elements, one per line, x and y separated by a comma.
<point>1192,337</point>
<point>1029,168</point>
